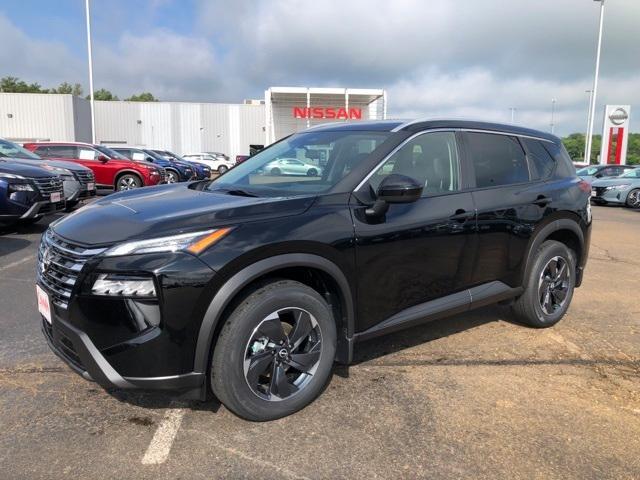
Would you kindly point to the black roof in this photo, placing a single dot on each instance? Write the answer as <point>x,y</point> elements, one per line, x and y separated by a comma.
<point>419,125</point>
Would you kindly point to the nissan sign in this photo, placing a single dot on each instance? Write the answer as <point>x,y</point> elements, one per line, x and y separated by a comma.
<point>619,116</point>
<point>338,113</point>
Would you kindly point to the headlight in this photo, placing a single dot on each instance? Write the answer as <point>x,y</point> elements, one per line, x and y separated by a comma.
<point>194,243</point>
<point>619,187</point>
<point>21,187</point>
<point>108,284</point>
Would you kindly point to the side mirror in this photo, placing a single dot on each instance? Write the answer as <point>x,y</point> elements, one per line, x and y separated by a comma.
<point>103,158</point>
<point>149,159</point>
<point>395,188</point>
<point>598,175</point>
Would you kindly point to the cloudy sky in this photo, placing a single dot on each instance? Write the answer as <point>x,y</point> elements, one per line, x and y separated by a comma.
<point>462,58</point>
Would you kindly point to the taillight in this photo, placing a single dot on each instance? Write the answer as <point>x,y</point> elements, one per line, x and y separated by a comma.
<point>584,186</point>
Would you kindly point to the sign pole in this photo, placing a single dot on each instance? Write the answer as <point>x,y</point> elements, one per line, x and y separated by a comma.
<point>592,106</point>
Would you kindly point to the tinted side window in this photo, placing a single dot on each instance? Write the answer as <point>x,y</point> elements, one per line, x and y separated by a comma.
<point>42,151</point>
<point>497,159</point>
<point>64,151</point>
<point>541,162</point>
<point>431,159</point>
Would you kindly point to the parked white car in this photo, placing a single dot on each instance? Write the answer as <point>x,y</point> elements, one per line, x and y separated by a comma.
<point>292,166</point>
<point>220,164</point>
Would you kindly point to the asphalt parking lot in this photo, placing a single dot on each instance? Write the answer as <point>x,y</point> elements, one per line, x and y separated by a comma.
<point>475,396</point>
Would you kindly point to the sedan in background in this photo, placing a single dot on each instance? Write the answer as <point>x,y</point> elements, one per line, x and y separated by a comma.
<point>220,164</point>
<point>594,172</point>
<point>622,190</point>
<point>292,166</point>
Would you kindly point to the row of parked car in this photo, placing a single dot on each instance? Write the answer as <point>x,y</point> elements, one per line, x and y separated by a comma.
<point>613,184</point>
<point>42,178</point>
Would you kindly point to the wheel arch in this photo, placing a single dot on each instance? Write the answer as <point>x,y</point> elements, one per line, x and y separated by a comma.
<point>306,268</point>
<point>563,230</point>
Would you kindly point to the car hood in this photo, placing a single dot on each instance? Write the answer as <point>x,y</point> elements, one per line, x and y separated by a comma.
<point>16,168</point>
<point>605,182</point>
<point>54,163</point>
<point>169,209</point>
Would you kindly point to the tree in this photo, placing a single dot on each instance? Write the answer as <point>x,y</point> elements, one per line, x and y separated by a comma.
<point>67,88</point>
<point>143,97</point>
<point>574,144</point>
<point>15,85</point>
<point>103,94</point>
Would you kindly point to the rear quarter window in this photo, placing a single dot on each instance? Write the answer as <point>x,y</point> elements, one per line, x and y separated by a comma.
<point>541,163</point>
<point>565,167</point>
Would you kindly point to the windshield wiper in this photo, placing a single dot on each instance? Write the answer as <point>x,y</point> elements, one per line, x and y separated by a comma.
<point>235,191</point>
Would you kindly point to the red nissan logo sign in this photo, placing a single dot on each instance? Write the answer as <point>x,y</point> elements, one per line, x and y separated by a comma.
<point>338,113</point>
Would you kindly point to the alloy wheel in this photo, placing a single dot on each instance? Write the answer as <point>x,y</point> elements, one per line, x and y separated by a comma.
<point>127,183</point>
<point>282,354</point>
<point>172,177</point>
<point>633,200</point>
<point>553,286</point>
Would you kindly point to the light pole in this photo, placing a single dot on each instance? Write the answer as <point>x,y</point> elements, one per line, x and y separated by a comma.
<point>553,109</point>
<point>93,112</point>
<point>594,94</point>
<point>513,114</point>
<point>590,92</point>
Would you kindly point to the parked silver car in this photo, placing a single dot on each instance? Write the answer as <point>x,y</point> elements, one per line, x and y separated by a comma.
<point>622,190</point>
<point>78,181</point>
<point>292,166</point>
<point>595,172</point>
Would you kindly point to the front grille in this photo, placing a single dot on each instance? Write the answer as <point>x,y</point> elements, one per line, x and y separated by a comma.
<point>84,178</point>
<point>59,264</point>
<point>599,191</point>
<point>49,185</point>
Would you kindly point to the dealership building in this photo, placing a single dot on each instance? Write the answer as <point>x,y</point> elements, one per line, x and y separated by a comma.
<point>186,127</point>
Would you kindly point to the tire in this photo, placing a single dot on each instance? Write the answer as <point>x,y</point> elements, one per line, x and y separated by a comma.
<point>548,295</point>
<point>312,172</point>
<point>275,171</point>
<point>254,330</point>
<point>172,176</point>
<point>222,169</point>
<point>633,198</point>
<point>128,181</point>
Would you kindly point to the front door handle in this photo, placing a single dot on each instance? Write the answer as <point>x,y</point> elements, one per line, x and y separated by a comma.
<point>461,216</point>
<point>542,201</point>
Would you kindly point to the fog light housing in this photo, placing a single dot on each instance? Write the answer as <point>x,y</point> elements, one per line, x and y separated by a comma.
<point>121,286</point>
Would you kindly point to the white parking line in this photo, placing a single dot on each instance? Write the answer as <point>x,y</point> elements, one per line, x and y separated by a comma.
<point>17,262</point>
<point>160,446</point>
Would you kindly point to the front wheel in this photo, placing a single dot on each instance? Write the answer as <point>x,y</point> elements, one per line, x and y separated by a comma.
<point>550,286</point>
<point>275,351</point>
<point>172,177</point>
<point>128,182</point>
<point>633,199</point>
<point>222,169</point>
<point>312,172</point>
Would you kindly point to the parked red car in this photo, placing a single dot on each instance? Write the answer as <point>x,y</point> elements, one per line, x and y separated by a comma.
<point>111,169</point>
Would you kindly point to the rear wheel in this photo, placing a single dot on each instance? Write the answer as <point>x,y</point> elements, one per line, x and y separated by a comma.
<point>633,199</point>
<point>128,181</point>
<point>549,287</point>
<point>222,169</point>
<point>275,352</point>
<point>275,171</point>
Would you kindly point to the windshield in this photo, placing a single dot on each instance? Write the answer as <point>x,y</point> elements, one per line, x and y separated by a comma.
<point>633,173</point>
<point>153,154</point>
<point>10,149</point>
<point>110,153</point>
<point>306,163</point>
<point>587,171</point>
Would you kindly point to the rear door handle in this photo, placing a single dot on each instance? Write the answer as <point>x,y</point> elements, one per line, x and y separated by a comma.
<point>542,201</point>
<point>462,215</point>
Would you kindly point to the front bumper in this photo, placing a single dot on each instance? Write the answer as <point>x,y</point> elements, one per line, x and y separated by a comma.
<point>602,196</point>
<point>79,352</point>
<point>42,208</point>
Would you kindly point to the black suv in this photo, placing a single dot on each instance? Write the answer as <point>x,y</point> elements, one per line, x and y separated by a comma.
<point>253,284</point>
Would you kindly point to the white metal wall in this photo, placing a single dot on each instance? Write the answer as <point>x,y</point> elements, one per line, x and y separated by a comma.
<point>36,116</point>
<point>181,127</point>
